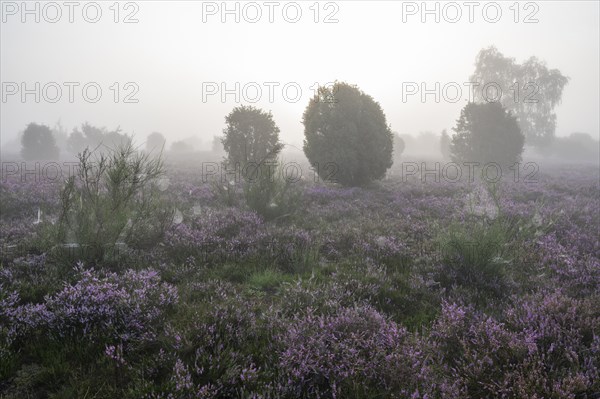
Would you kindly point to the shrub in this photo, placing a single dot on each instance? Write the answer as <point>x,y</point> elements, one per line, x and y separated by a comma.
<point>121,308</point>
<point>225,351</point>
<point>293,250</point>
<point>38,143</point>
<point>539,90</point>
<point>31,275</point>
<point>73,332</point>
<point>356,352</point>
<point>271,194</point>
<point>347,129</point>
<point>577,147</point>
<point>251,135</point>
<point>225,191</point>
<point>399,145</point>
<point>155,142</point>
<point>112,201</point>
<point>544,347</point>
<point>92,137</point>
<point>474,256</point>
<point>217,236</point>
<point>487,133</point>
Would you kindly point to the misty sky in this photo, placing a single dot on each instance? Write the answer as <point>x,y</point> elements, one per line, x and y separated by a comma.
<point>170,53</point>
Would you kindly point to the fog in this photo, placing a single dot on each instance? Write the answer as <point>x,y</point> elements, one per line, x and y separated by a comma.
<point>326,199</point>
<point>179,58</point>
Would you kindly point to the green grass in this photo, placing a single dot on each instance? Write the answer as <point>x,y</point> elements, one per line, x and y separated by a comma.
<point>267,280</point>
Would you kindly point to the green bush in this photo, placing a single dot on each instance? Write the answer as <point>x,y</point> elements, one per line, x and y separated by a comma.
<point>346,129</point>
<point>487,133</point>
<point>271,194</point>
<point>112,204</point>
<point>251,136</point>
<point>475,256</point>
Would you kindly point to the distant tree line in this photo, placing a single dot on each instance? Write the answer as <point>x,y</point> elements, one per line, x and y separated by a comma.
<point>347,128</point>
<point>40,142</point>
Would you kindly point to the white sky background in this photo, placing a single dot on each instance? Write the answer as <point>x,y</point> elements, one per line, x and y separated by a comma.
<point>170,52</point>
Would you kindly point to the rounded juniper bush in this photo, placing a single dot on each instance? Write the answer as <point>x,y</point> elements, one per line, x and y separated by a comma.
<point>346,136</point>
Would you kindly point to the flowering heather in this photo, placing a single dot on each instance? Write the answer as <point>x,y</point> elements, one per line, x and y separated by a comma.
<point>216,234</point>
<point>110,307</point>
<point>21,199</point>
<point>352,296</point>
<point>546,346</point>
<point>354,351</point>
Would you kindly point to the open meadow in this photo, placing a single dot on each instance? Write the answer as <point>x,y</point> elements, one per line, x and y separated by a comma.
<point>407,288</point>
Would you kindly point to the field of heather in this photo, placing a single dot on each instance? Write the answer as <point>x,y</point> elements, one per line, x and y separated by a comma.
<point>405,288</point>
<point>299,199</point>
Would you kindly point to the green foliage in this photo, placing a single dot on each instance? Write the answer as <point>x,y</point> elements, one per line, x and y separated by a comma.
<point>294,257</point>
<point>38,143</point>
<point>349,285</point>
<point>475,256</point>
<point>233,272</point>
<point>264,188</point>
<point>267,280</point>
<point>345,127</point>
<point>487,133</point>
<point>251,135</point>
<point>529,90</point>
<point>251,140</point>
<point>269,192</point>
<point>112,203</point>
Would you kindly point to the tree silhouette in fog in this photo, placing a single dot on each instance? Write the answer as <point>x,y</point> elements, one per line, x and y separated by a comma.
<point>487,133</point>
<point>577,147</point>
<point>251,135</point>
<point>90,137</point>
<point>38,143</point>
<point>155,142</point>
<point>529,90</point>
<point>87,137</point>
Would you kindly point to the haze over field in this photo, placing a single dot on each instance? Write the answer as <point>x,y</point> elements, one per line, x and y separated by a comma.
<point>300,200</point>
<point>171,54</point>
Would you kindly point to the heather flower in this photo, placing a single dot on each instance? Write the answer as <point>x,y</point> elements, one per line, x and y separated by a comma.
<point>115,353</point>
<point>354,350</point>
<point>543,348</point>
<point>111,307</point>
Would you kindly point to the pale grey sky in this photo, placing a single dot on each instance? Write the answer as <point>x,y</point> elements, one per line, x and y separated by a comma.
<point>171,55</point>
